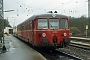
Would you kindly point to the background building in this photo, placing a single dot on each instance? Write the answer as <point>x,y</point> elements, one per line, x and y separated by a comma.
<point>8,30</point>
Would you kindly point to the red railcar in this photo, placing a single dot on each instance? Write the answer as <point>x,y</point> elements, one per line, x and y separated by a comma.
<point>45,30</point>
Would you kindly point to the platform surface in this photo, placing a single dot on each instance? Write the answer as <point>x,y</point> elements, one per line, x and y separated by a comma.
<point>17,50</point>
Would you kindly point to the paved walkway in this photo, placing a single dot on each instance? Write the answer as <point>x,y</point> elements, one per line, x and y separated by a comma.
<point>17,50</point>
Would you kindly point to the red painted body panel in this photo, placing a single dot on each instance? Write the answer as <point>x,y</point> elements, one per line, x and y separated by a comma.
<point>50,35</point>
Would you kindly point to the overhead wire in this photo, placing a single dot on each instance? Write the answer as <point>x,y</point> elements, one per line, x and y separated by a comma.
<point>75,8</point>
<point>21,5</point>
<point>72,9</point>
<point>67,3</point>
<point>46,4</point>
<point>26,7</point>
<point>31,8</point>
<point>31,4</point>
<point>49,3</point>
<point>63,4</point>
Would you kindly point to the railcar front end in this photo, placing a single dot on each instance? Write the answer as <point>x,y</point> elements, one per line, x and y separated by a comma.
<point>52,32</point>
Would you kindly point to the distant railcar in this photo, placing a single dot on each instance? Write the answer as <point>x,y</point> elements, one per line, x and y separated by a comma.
<point>15,31</point>
<point>45,30</point>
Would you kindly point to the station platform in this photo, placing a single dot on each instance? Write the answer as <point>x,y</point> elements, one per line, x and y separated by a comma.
<point>17,50</point>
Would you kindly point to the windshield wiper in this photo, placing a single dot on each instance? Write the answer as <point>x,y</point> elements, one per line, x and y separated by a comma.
<point>51,26</point>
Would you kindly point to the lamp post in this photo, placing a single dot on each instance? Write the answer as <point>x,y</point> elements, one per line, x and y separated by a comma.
<point>4,48</point>
<point>86,30</point>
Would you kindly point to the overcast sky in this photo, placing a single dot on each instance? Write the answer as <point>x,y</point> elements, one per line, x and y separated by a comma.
<point>26,8</point>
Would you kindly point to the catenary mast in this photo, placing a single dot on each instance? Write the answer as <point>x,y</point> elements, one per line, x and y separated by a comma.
<point>1,19</point>
<point>2,25</point>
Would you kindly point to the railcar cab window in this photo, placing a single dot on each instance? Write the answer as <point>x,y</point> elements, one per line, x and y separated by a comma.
<point>63,23</point>
<point>54,23</point>
<point>42,24</point>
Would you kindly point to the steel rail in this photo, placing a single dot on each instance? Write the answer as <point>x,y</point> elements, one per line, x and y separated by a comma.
<point>85,47</point>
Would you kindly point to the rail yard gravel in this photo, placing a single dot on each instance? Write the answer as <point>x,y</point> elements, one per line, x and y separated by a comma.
<point>84,54</point>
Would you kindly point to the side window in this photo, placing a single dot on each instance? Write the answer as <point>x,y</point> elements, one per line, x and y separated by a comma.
<point>18,28</point>
<point>30,24</point>
<point>24,26</point>
<point>21,28</point>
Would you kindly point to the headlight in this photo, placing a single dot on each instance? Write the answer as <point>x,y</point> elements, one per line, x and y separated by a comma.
<point>43,34</point>
<point>65,34</point>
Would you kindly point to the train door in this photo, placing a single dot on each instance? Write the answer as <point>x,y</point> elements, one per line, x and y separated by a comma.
<point>32,31</point>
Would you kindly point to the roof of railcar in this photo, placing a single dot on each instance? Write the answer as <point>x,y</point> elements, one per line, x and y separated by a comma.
<point>46,15</point>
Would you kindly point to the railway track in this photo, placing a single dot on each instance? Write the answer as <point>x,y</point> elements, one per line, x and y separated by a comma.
<point>80,43</point>
<point>78,53</point>
<point>72,56</point>
<point>85,47</point>
<point>59,55</point>
<point>80,39</point>
<point>79,48</point>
